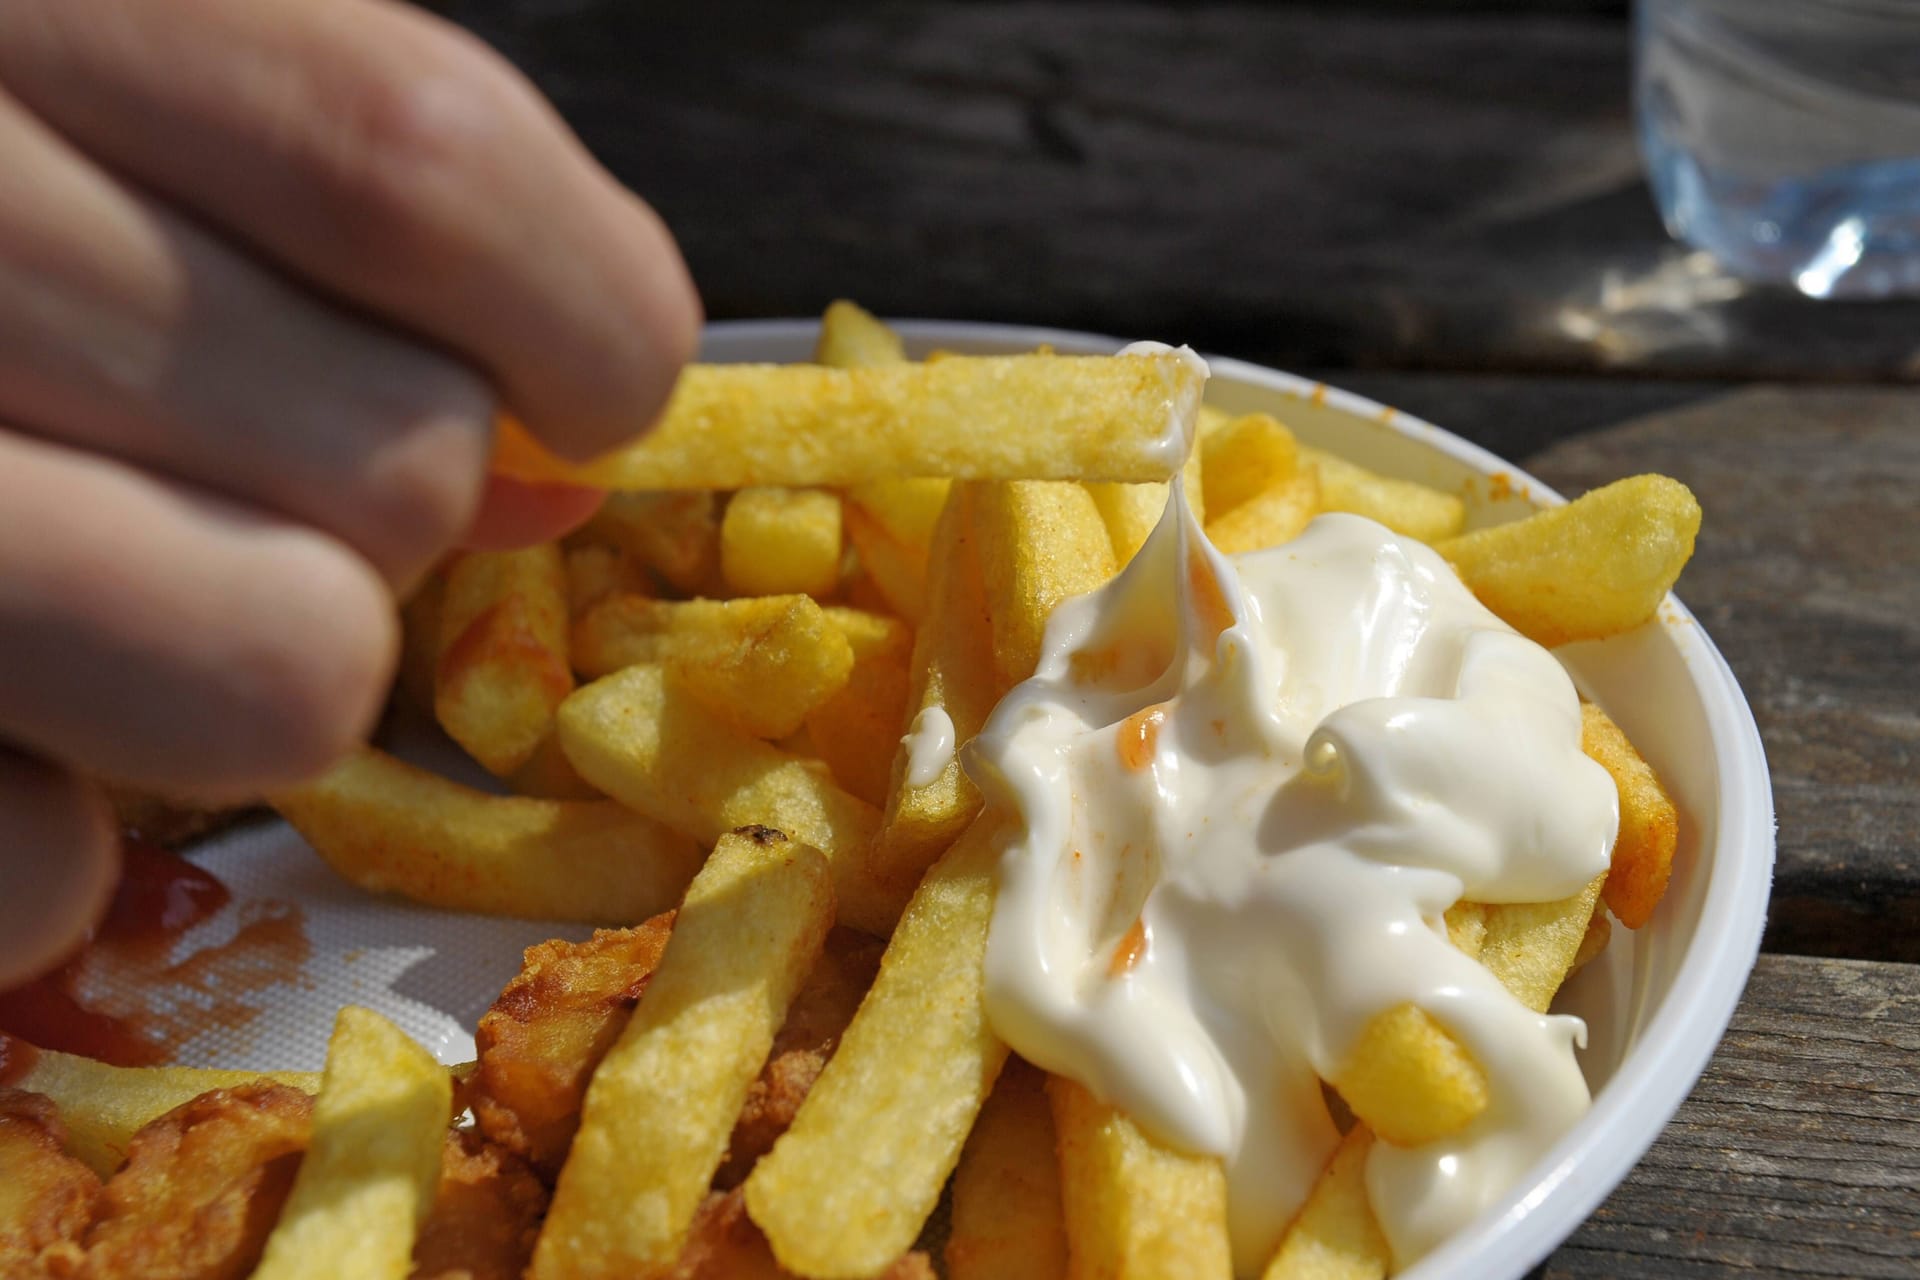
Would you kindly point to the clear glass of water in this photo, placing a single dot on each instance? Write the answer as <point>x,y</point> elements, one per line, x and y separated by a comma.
<point>1783,137</point>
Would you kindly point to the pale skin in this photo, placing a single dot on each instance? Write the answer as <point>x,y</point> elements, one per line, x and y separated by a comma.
<point>268,269</point>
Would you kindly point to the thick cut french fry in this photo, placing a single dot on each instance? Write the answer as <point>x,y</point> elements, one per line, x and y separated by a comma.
<point>952,674</point>
<point>971,417</point>
<point>775,540</point>
<point>769,680</point>
<point>1530,946</point>
<point>1409,1080</point>
<point>1403,506</point>
<point>392,828</point>
<point>1336,1236</point>
<point>851,336</point>
<point>651,745</point>
<point>848,1187</point>
<point>908,510</point>
<point>872,635</point>
<point>1273,516</point>
<point>368,1178</point>
<point>1132,510</point>
<point>857,730</point>
<point>664,1099</point>
<point>898,571</point>
<point>596,570</point>
<point>1007,1220</point>
<point>1243,458</point>
<point>103,1106</point>
<point>502,665</point>
<point>548,776</point>
<point>624,629</point>
<point>677,535</point>
<point>1596,567</point>
<point>1040,542</point>
<point>1135,1210</point>
<point>1649,824</point>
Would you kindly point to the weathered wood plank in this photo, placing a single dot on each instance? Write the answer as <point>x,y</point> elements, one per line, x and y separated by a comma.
<point>1297,184</point>
<point>1798,1152</point>
<point>1807,576</point>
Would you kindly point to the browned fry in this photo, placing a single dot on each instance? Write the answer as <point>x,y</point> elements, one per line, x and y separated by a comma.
<point>502,664</point>
<point>1649,823</point>
<point>47,1198</point>
<point>677,535</point>
<point>485,1217</point>
<point>723,1244</point>
<point>857,729</point>
<point>1008,1223</point>
<point>552,1024</point>
<point>202,1186</point>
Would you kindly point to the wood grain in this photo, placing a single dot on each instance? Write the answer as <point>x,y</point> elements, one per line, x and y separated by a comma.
<point>1798,1152</point>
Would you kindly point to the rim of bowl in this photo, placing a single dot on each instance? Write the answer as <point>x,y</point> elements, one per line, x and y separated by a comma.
<point>1673,1048</point>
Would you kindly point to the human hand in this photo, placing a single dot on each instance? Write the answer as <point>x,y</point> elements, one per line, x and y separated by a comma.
<point>265,268</point>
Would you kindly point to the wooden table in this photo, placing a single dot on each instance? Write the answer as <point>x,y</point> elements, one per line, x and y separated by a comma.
<point>1437,205</point>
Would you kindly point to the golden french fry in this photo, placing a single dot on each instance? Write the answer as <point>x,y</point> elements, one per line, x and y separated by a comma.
<point>368,1177</point>
<point>1132,510</point>
<point>1467,927</point>
<point>1135,1210</point>
<point>1530,946</point>
<point>651,745</point>
<point>103,1106</point>
<point>1040,542</point>
<point>775,540</point>
<point>502,665</point>
<point>952,675</point>
<point>624,629</point>
<point>850,336</point>
<point>675,534</point>
<point>908,510</point>
<point>971,417</point>
<point>1243,458</point>
<point>663,1101</point>
<point>1275,515</point>
<point>392,828</point>
<point>857,730</point>
<point>848,1187</point>
<point>1007,1220</point>
<point>1649,823</point>
<point>1409,1080</point>
<point>898,571</point>
<point>1416,510</point>
<point>596,570</point>
<point>769,681</point>
<point>1336,1236</point>
<point>1599,933</point>
<point>872,635</point>
<point>1596,567</point>
<point>547,775</point>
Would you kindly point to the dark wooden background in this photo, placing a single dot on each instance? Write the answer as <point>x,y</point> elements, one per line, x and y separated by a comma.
<point>1438,205</point>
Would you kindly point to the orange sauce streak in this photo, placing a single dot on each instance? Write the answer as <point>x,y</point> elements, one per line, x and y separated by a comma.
<point>1138,737</point>
<point>1131,949</point>
<point>1208,600</point>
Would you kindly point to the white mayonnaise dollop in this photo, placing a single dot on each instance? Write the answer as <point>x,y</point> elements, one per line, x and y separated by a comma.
<point>1242,793</point>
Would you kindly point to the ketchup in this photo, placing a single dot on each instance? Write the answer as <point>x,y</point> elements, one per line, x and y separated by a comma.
<point>160,896</point>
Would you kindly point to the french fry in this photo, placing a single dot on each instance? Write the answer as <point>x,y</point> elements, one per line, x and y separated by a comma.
<point>1415,510</point>
<point>848,1187</point>
<point>907,510</point>
<point>1530,946</point>
<point>677,535</point>
<point>651,745</point>
<point>872,635</point>
<point>1596,567</point>
<point>896,570</point>
<point>596,570</point>
<point>850,336</point>
<point>952,672</point>
<point>1649,824</point>
<point>775,540</point>
<point>1243,458</point>
<point>1275,515</point>
<point>624,629</point>
<point>1599,933</point>
<point>1040,542</point>
<point>1007,1220</point>
<point>857,730</point>
<point>970,417</point>
<point>502,665</point>
<point>767,682</point>
<point>1409,1079</point>
<point>391,828</point>
<point>1132,510</point>
<point>664,1099</point>
<point>548,776</point>
<point>103,1106</point>
<point>368,1177</point>
<point>1335,1235</point>
<point>1467,927</point>
<point>1135,1210</point>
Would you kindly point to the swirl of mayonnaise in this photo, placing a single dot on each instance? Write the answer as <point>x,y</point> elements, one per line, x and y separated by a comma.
<point>1242,794</point>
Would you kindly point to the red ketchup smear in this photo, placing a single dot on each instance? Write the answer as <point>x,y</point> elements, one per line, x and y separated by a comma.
<point>160,897</point>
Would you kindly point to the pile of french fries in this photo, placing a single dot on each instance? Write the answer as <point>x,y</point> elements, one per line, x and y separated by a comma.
<point>697,702</point>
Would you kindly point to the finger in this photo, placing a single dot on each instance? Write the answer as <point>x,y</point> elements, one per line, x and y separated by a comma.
<point>127,330</point>
<point>173,640</point>
<point>58,860</point>
<point>386,156</point>
<point>515,514</point>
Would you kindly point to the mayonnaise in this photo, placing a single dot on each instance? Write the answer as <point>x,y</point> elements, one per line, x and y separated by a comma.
<point>1243,793</point>
<point>929,743</point>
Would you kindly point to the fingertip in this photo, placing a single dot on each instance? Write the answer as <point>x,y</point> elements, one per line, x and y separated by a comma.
<point>59,859</point>
<point>516,514</point>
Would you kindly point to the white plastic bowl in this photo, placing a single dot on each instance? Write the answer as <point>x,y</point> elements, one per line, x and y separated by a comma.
<point>1659,1000</point>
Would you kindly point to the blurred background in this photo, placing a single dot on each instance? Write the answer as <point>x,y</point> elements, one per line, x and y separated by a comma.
<point>1424,188</point>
